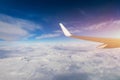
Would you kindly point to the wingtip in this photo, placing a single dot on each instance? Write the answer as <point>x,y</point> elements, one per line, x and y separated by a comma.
<point>60,24</point>
<point>65,31</point>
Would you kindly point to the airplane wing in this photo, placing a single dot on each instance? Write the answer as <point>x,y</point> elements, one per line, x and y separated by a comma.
<point>107,41</point>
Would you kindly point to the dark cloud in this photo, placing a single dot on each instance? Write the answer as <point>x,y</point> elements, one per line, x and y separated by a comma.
<point>4,54</point>
<point>72,76</point>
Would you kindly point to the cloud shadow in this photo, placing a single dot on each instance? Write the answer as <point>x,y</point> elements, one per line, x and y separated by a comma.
<point>72,76</point>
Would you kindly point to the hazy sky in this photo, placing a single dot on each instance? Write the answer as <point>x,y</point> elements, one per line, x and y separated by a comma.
<point>38,19</point>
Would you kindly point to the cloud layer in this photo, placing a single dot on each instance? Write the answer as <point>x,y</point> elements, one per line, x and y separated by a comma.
<point>58,61</point>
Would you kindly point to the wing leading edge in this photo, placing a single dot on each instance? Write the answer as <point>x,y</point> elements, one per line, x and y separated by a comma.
<point>108,42</point>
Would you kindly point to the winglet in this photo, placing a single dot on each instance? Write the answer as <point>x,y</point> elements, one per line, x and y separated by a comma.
<point>65,31</point>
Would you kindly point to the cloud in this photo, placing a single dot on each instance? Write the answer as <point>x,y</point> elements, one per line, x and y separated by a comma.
<point>104,29</point>
<point>48,36</point>
<point>72,76</point>
<point>57,61</point>
<point>104,26</point>
<point>94,27</point>
<point>11,32</point>
<point>72,30</point>
<point>14,28</point>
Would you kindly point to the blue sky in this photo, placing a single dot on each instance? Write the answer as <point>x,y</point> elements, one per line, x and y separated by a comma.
<point>37,20</point>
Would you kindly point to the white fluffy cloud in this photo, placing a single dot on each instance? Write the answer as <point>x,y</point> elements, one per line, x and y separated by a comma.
<point>11,32</point>
<point>48,36</point>
<point>15,28</point>
<point>58,61</point>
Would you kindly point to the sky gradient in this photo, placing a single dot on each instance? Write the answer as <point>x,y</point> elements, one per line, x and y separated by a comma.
<point>33,47</point>
<point>37,20</point>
